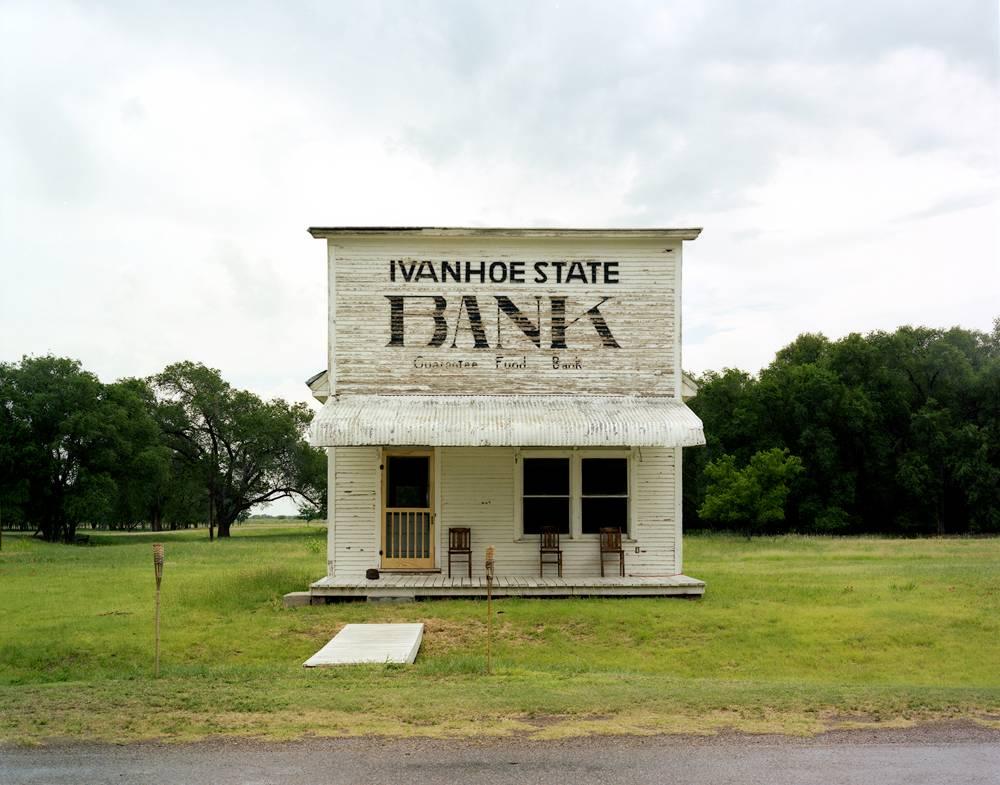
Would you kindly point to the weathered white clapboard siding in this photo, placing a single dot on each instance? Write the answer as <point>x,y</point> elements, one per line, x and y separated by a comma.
<point>642,316</point>
<point>354,534</point>
<point>656,506</point>
<point>477,489</point>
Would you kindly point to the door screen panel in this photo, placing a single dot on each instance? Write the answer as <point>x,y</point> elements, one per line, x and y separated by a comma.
<point>408,517</point>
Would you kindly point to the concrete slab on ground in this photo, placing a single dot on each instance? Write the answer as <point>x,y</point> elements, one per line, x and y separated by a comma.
<point>363,643</point>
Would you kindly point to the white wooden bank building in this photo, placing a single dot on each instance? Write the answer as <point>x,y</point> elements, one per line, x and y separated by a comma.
<point>523,385</point>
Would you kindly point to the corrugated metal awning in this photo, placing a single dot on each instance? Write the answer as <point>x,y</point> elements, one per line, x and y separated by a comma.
<point>505,421</point>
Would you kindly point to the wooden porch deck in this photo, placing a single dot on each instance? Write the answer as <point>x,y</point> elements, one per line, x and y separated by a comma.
<point>424,586</point>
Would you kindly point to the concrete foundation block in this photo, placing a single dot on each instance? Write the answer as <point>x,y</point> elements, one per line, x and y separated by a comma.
<point>297,599</point>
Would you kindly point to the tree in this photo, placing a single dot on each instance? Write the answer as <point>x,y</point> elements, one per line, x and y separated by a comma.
<point>244,450</point>
<point>313,475</point>
<point>724,403</point>
<point>897,432</point>
<point>58,445</point>
<point>811,412</point>
<point>752,497</point>
<point>142,465</point>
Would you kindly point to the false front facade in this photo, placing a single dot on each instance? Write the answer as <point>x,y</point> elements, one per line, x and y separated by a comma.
<point>514,388</point>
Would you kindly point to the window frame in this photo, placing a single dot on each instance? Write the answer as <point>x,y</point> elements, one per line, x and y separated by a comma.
<point>575,456</point>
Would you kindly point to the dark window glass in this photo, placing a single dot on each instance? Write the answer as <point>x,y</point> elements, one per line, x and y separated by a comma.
<point>604,491</point>
<point>546,494</point>
<point>542,511</point>
<point>605,477</point>
<point>546,476</point>
<point>407,481</point>
<point>604,512</point>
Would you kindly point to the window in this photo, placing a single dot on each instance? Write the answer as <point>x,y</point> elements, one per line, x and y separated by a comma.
<point>546,494</point>
<point>577,492</point>
<point>407,482</point>
<point>603,494</point>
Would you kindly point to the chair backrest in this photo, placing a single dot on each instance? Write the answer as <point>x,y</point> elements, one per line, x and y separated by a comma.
<point>460,539</point>
<point>550,539</point>
<point>611,539</point>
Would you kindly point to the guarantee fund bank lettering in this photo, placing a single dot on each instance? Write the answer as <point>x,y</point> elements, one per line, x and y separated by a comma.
<point>458,313</point>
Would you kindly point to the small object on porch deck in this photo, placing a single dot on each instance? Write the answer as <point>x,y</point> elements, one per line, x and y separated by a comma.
<point>371,574</point>
<point>459,544</point>
<point>611,542</point>
<point>548,545</point>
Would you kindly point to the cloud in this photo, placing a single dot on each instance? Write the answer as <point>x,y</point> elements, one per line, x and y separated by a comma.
<point>160,163</point>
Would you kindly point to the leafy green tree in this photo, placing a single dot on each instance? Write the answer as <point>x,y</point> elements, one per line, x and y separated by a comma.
<point>751,498</point>
<point>808,410</point>
<point>58,445</point>
<point>245,451</point>
<point>724,405</point>
<point>141,467</point>
<point>313,475</point>
<point>897,432</point>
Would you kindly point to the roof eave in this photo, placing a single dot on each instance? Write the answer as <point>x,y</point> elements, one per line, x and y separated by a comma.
<point>326,232</point>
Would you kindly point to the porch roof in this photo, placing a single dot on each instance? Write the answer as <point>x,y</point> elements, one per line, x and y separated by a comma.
<point>505,421</point>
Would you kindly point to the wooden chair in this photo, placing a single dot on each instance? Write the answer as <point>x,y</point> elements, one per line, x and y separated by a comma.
<point>611,542</point>
<point>460,544</point>
<point>548,545</point>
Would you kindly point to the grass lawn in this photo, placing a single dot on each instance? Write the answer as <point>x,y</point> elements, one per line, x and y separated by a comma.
<point>795,634</point>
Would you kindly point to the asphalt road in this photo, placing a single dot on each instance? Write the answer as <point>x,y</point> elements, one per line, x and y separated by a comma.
<point>969,757</point>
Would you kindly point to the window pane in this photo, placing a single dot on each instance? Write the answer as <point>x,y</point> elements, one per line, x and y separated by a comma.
<point>546,512</point>
<point>605,476</point>
<point>407,481</point>
<point>546,476</point>
<point>605,514</point>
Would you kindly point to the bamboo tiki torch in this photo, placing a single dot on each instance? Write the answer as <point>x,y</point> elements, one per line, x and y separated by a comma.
<point>158,570</point>
<point>490,552</point>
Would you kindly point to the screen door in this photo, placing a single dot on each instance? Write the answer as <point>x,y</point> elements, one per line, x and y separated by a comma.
<point>408,511</point>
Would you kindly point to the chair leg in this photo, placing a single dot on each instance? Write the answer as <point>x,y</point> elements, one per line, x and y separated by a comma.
<point>560,564</point>
<point>621,564</point>
<point>449,566</point>
<point>602,565</point>
<point>470,565</point>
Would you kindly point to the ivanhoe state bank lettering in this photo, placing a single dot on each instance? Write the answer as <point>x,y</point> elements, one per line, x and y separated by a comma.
<point>465,313</point>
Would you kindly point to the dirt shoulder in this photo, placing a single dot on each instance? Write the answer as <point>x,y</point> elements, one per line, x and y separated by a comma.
<point>928,733</point>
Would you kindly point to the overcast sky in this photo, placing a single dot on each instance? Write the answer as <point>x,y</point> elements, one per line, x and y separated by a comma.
<point>159,165</point>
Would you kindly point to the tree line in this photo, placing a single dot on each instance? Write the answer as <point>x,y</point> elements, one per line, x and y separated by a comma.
<point>890,433</point>
<point>176,449</point>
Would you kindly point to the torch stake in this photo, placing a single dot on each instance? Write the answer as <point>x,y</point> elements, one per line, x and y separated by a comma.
<point>489,609</point>
<point>158,570</point>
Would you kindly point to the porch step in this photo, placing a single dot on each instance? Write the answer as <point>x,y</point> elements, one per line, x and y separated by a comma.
<point>296,599</point>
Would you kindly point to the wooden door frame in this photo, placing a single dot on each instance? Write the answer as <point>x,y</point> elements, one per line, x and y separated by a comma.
<point>430,563</point>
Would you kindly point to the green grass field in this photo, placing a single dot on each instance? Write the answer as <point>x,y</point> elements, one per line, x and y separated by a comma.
<point>795,635</point>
